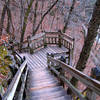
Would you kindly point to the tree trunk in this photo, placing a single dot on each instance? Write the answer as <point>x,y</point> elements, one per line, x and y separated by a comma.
<point>21,14</point>
<point>2,18</point>
<point>88,43</point>
<point>5,9</point>
<point>69,16</point>
<point>52,23</point>
<point>25,22</point>
<point>42,12</point>
<point>35,15</point>
<point>9,20</point>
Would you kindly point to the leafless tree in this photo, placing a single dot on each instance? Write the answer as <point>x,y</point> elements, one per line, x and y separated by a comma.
<point>88,43</point>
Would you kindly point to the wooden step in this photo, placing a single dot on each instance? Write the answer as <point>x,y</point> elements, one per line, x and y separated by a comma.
<point>41,80</point>
<point>36,86</point>
<point>57,98</point>
<point>46,90</point>
<point>39,73</point>
<point>48,95</point>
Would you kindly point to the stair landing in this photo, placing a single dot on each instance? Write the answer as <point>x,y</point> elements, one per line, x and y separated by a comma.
<point>41,84</point>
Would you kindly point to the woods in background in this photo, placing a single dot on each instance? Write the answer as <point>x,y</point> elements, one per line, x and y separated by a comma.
<point>21,18</point>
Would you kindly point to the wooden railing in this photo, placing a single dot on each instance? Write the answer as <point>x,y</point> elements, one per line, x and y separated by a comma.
<point>33,43</point>
<point>60,39</point>
<point>16,89</point>
<point>50,38</point>
<point>92,84</point>
<point>37,41</point>
<point>41,40</point>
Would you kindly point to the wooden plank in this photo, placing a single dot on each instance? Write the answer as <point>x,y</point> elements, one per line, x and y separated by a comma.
<point>33,64</point>
<point>40,59</point>
<point>43,87</point>
<point>34,61</point>
<point>30,61</point>
<point>51,88</point>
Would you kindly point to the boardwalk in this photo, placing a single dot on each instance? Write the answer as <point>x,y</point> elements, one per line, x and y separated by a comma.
<point>41,84</point>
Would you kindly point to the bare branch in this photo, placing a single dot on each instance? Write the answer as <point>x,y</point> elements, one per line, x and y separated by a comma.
<point>69,16</point>
<point>44,16</point>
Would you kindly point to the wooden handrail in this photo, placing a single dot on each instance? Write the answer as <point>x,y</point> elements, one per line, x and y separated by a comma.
<point>37,36</point>
<point>21,92</point>
<point>91,83</point>
<point>18,56</point>
<point>46,38</point>
<point>63,34</point>
<point>67,36</point>
<point>9,95</point>
<point>42,39</point>
<point>75,90</point>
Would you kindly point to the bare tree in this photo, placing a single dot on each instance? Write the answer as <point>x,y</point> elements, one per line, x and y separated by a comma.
<point>3,16</point>
<point>6,9</point>
<point>25,22</point>
<point>9,24</point>
<point>88,43</point>
<point>21,14</point>
<point>42,12</point>
<point>26,18</point>
<point>35,16</point>
<point>69,16</point>
<point>42,18</point>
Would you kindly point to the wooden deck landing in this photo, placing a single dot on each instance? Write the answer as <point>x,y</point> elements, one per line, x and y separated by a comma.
<point>41,84</point>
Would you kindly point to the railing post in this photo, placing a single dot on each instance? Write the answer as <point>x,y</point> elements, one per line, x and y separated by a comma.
<point>59,38</point>
<point>28,46</point>
<point>69,56</point>
<point>71,51</point>
<point>73,47</point>
<point>48,60</point>
<point>44,39</point>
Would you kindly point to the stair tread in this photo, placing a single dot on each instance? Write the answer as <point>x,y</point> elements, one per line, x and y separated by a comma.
<point>57,98</point>
<point>49,94</point>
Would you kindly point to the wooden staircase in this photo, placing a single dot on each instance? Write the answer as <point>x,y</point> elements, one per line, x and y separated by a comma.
<point>42,85</point>
<point>34,80</point>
